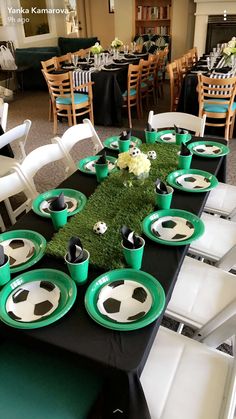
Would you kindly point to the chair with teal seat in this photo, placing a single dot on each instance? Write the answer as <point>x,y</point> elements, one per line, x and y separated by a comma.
<point>66,100</point>
<point>144,83</point>
<point>45,383</point>
<point>131,95</point>
<point>216,101</point>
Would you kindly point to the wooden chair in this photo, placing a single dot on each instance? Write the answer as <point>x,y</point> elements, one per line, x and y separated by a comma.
<point>64,98</point>
<point>49,66</point>
<point>216,101</point>
<point>80,53</point>
<point>152,80</point>
<point>62,60</point>
<point>161,70</point>
<point>175,85</point>
<point>182,67</point>
<point>144,83</point>
<point>131,95</point>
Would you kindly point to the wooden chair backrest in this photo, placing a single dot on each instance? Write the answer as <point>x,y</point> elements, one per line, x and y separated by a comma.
<point>62,59</point>
<point>175,83</point>
<point>153,63</point>
<point>213,89</point>
<point>133,77</point>
<point>49,65</point>
<point>59,84</point>
<point>80,53</point>
<point>144,70</point>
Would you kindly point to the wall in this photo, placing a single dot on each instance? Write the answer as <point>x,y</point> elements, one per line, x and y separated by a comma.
<point>125,20</point>
<point>182,27</point>
<point>102,22</point>
<point>205,8</point>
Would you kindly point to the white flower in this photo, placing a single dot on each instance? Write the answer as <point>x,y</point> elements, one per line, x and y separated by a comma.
<point>227,51</point>
<point>136,165</point>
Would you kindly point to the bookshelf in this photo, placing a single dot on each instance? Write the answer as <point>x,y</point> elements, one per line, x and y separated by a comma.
<point>153,17</point>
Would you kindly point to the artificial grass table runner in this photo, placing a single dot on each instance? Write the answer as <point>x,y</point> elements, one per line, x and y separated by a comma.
<point>116,205</point>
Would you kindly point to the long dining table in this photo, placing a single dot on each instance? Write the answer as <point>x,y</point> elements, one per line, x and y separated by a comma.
<point>122,353</point>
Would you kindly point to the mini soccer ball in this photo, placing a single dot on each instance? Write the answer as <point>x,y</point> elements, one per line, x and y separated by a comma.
<point>18,250</point>
<point>124,301</point>
<point>100,227</point>
<point>193,181</point>
<point>134,152</point>
<point>152,155</point>
<point>173,229</point>
<point>32,301</point>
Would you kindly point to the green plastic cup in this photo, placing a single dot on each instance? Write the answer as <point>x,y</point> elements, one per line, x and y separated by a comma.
<point>163,201</point>
<point>59,218</point>
<point>101,171</point>
<point>150,136</point>
<point>5,274</point>
<point>134,257</point>
<point>184,162</point>
<point>181,138</point>
<point>79,271</point>
<point>124,145</point>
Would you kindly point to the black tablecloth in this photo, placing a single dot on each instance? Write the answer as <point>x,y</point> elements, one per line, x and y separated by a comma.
<point>6,150</point>
<point>121,354</point>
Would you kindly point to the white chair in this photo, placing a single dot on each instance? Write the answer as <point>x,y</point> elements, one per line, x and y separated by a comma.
<point>2,225</point>
<point>22,179</point>
<point>218,242</point>
<point>222,201</point>
<point>200,293</point>
<point>75,134</point>
<point>3,115</point>
<point>17,134</point>
<point>183,120</point>
<point>187,379</point>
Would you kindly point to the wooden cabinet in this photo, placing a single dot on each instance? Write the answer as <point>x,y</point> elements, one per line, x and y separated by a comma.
<point>153,17</point>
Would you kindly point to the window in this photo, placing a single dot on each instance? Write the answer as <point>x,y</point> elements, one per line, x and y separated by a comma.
<point>35,23</point>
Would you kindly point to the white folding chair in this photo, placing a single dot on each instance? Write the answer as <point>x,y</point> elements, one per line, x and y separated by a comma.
<point>26,171</point>
<point>17,134</point>
<point>187,379</point>
<point>222,201</point>
<point>218,242</point>
<point>2,225</point>
<point>3,115</point>
<point>75,134</point>
<point>200,293</point>
<point>183,120</point>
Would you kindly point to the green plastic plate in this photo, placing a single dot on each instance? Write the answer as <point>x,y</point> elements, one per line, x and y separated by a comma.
<point>192,180</point>
<point>75,200</point>
<point>112,142</point>
<point>68,293</point>
<point>168,227</point>
<point>209,149</point>
<point>87,165</point>
<point>116,277</point>
<point>168,137</point>
<point>38,241</point>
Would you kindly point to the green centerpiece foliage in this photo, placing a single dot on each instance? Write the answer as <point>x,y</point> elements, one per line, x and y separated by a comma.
<point>116,205</point>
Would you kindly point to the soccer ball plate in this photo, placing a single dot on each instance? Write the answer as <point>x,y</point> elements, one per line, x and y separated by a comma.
<point>19,250</point>
<point>171,228</point>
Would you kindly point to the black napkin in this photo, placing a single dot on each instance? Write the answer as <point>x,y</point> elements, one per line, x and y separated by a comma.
<point>58,203</point>
<point>160,187</point>
<point>179,130</point>
<point>130,239</point>
<point>125,135</point>
<point>223,70</point>
<point>184,151</point>
<point>149,128</point>
<point>3,257</point>
<point>102,159</point>
<point>76,252</point>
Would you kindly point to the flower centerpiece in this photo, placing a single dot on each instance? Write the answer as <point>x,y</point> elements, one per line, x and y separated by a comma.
<point>116,43</point>
<point>96,48</point>
<point>134,163</point>
<point>230,50</point>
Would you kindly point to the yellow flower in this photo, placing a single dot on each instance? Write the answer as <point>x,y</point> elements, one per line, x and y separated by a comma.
<point>123,160</point>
